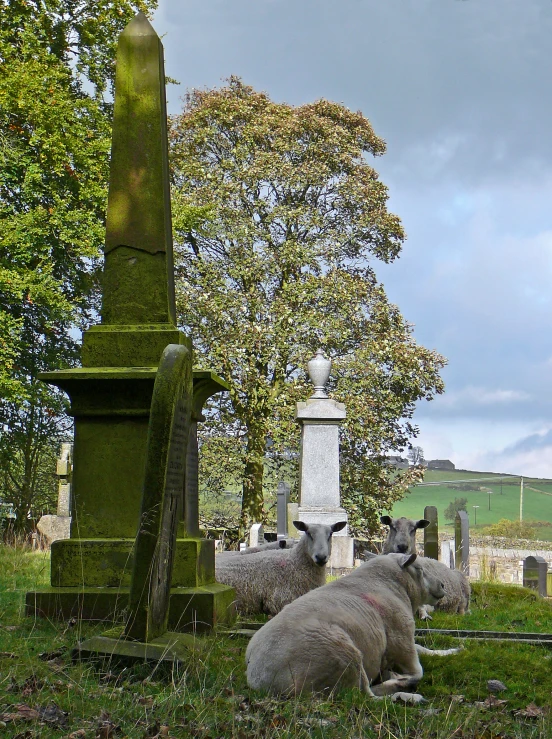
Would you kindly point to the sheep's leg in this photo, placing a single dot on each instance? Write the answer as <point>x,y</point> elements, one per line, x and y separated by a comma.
<point>438,652</point>
<point>409,675</point>
<point>424,612</point>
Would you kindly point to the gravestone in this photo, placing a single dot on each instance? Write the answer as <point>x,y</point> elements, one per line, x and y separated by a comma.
<point>319,494</point>
<point>111,393</point>
<point>282,501</point>
<point>256,535</point>
<point>164,479</point>
<point>462,542</point>
<point>54,527</point>
<point>535,574</point>
<point>431,533</point>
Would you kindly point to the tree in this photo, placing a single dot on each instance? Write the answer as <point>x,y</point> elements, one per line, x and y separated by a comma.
<point>56,73</point>
<point>277,217</point>
<point>458,504</point>
<point>416,455</point>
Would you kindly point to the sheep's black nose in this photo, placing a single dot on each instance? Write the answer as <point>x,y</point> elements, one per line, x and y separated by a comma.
<point>402,548</point>
<point>320,559</point>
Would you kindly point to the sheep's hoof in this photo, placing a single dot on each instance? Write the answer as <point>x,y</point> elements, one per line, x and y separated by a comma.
<point>414,698</point>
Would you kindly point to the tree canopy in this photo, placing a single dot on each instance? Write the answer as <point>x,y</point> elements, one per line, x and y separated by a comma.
<point>278,218</point>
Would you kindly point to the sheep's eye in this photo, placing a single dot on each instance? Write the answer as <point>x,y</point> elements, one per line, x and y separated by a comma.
<point>309,534</point>
<point>412,530</point>
<point>392,527</point>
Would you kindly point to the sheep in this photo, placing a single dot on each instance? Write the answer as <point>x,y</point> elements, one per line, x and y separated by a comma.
<point>402,534</point>
<point>266,581</point>
<point>347,633</point>
<point>402,538</point>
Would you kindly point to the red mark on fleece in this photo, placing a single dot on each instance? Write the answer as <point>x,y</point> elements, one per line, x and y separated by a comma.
<point>282,563</point>
<point>374,602</point>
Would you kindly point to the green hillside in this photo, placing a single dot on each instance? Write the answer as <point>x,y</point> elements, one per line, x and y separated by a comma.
<point>440,487</point>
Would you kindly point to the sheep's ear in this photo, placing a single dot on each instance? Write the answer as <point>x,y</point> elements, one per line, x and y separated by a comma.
<point>338,526</point>
<point>422,523</point>
<point>386,520</point>
<point>301,526</point>
<point>409,560</point>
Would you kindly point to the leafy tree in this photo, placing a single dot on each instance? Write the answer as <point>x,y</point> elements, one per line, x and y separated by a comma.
<point>458,504</point>
<point>278,216</point>
<point>511,529</point>
<point>56,70</point>
<point>416,455</point>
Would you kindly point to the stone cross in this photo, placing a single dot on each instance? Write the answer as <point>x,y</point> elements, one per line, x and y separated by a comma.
<point>64,466</point>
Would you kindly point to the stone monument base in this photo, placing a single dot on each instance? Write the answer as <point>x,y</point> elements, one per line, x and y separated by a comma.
<point>91,580</point>
<point>191,609</point>
<point>343,555</point>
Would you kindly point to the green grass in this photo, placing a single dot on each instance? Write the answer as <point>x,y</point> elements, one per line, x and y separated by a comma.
<point>504,499</point>
<point>208,696</point>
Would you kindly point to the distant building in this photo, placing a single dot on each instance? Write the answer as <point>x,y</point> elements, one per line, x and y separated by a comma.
<point>400,463</point>
<point>440,464</point>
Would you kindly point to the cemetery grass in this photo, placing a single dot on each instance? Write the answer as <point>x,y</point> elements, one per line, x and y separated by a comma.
<point>44,695</point>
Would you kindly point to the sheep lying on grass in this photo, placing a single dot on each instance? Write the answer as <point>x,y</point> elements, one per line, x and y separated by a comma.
<point>280,544</point>
<point>268,580</point>
<point>402,538</point>
<point>348,632</point>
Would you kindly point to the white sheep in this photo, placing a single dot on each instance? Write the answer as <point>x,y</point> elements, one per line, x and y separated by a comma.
<point>347,633</point>
<point>268,580</point>
<point>402,538</point>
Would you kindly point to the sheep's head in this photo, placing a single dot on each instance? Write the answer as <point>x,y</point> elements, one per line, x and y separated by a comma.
<point>430,587</point>
<point>402,534</point>
<point>319,539</point>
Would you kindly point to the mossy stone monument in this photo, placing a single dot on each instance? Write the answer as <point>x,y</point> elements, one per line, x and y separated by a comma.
<point>111,394</point>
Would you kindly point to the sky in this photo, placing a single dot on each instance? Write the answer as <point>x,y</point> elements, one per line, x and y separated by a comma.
<point>460,90</point>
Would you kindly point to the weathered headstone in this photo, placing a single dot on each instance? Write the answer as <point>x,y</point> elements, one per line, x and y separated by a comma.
<point>168,436</point>
<point>462,542</point>
<point>54,527</point>
<point>319,494</point>
<point>282,501</point>
<point>256,535</point>
<point>111,394</point>
<point>535,574</point>
<point>431,533</point>
<point>447,553</point>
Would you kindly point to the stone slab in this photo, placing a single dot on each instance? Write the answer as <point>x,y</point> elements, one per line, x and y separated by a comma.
<point>170,647</point>
<point>319,466</point>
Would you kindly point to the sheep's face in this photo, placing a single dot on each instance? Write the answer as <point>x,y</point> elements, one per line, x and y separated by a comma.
<point>319,539</point>
<point>402,534</point>
<point>429,586</point>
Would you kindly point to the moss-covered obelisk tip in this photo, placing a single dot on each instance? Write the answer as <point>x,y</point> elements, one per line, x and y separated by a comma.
<point>138,281</point>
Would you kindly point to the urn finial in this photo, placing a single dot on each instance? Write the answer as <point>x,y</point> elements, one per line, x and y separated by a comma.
<point>319,368</point>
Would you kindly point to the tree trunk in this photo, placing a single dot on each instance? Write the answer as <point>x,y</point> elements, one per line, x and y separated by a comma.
<point>252,501</point>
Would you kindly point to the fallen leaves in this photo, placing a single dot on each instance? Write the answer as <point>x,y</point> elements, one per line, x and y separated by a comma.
<point>491,702</point>
<point>530,711</point>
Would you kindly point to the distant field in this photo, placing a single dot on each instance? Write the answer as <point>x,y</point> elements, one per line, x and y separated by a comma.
<point>504,498</point>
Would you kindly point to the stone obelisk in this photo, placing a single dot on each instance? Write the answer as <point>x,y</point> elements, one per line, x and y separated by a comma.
<point>111,393</point>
